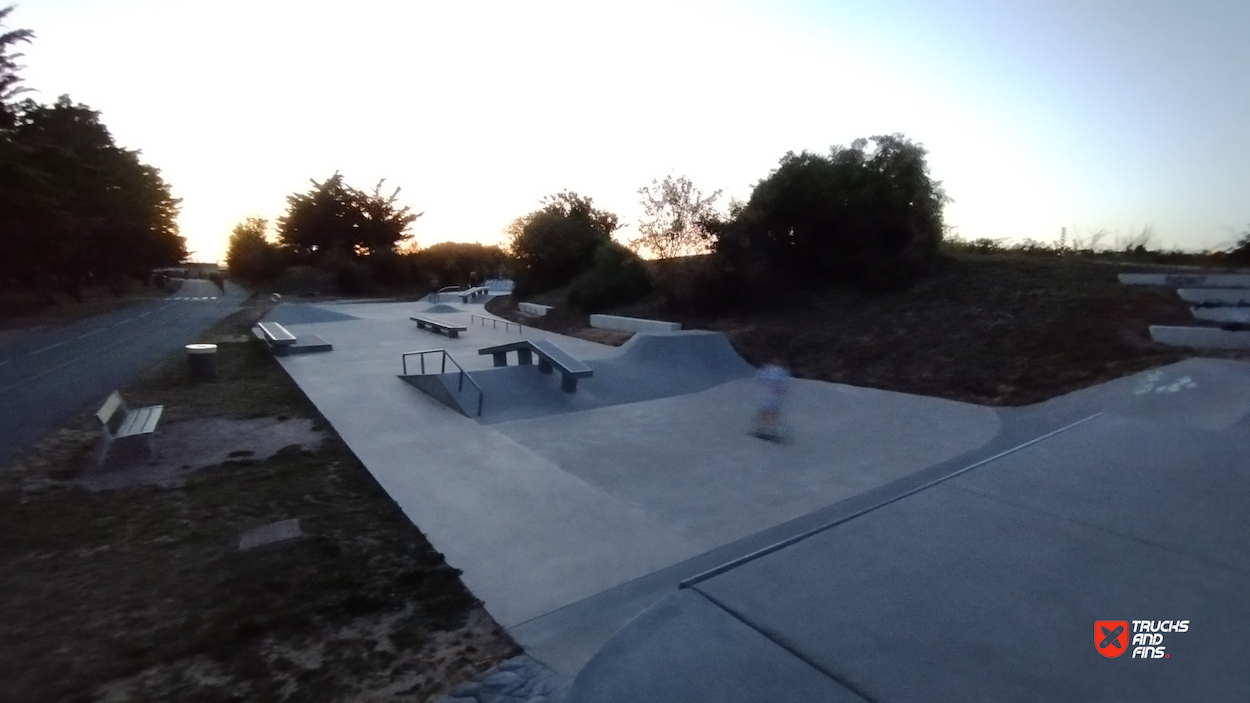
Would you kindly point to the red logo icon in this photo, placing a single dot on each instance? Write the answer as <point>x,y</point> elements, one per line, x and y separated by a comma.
<point>1111,637</point>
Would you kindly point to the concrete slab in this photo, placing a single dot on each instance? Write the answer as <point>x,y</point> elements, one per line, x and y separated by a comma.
<point>537,523</point>
<point>1225,296</point>
<point>1223,314</point>
<point>268,534</point>
<point>985,586</point>
<point>1200,337</point>
<point>950,596</point>
<point>721,659</point>
<point>1188,280</point>
<point>691,461</point>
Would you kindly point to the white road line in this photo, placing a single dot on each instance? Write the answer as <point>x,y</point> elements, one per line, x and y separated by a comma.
<point>145,314</point>
<point>119,324</point>
<point>88,334</point>
<point>44,349</point>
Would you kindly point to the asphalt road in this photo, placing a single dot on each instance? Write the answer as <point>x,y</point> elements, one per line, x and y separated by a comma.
<point>49,376</point>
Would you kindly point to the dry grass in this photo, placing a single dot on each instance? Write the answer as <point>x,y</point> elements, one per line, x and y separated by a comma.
<point>142,594</point>
<point>987,329</point>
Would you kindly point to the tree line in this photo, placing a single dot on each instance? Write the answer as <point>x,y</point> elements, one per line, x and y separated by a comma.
<point>76,208</point>
<point>865,215</point>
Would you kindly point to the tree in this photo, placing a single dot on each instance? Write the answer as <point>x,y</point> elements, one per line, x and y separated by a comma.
<point>250,255</point>
<point>675,213</point>
<point>855,216</point>
<point>9,80</point>
<point>89,210</point>
<point>555,243</point>
<point>335,217</point>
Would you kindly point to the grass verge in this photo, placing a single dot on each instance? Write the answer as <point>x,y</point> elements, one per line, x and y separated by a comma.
<point>142,593</point>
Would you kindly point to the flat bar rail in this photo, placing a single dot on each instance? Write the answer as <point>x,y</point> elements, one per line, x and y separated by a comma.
<point>443,369</point>
<point>495,322</point>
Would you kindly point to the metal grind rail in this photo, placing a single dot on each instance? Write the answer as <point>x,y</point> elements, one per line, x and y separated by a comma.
<point>495,323</point>
<point>443,369</point>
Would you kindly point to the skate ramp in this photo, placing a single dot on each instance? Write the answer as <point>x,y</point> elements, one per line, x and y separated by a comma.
<point>442,307</point>
<point>304,313</point>
<point>649,366</point>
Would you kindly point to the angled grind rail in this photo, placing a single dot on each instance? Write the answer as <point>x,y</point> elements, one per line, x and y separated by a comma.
<point>443,369</point>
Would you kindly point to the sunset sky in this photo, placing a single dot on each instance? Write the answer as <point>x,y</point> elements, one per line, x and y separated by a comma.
<point>1042,114</point>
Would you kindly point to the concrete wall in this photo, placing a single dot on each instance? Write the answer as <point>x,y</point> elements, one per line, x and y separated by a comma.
<point>1187,280</point>
<point>1200,337</point>
<point>498,285</point>
<point>534,308</point>
<point>1228,296</point>
<point>632,324</point>
<point>1229,314</point>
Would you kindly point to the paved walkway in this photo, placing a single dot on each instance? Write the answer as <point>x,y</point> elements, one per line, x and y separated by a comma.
<point>572,524</point>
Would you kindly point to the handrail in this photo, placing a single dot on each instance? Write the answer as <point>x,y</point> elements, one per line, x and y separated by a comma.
<point>463,374</point>
<point>494,323</point>
<point>437,295</point>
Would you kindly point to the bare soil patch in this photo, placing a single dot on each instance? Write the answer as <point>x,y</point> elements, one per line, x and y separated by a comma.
<point>127,584</point>
<point>986,329</point>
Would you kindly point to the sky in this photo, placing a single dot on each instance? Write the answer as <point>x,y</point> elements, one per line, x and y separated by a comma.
<point>1038,115</point>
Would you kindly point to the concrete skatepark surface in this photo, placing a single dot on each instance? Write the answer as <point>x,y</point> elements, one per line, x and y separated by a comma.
<point>900,548</point>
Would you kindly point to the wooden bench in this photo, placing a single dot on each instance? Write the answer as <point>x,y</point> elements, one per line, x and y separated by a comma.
<point>550,357</point>
<point>275,336</point>
<point>132,423</point>
<point>436,325</point>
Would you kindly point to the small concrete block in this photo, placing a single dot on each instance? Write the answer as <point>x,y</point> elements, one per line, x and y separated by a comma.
<point>525,357</point>
<point>501,358</point>
<point>268,534</point>
<point>544,366</point>
<point>568,384</point>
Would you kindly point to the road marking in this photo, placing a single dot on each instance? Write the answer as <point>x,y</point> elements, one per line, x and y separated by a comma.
<point>50,346</point>
<point>145,314</point>
<point>129,319</point>
<point>88,334</point>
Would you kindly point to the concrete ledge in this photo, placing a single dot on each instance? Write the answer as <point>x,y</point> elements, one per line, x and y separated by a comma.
<point>1229,314</point>
<point>1200,337</point>
<point>632,324</point>
<point>534,308</point>
<point>1187,280</point>
<point>1227,296</point>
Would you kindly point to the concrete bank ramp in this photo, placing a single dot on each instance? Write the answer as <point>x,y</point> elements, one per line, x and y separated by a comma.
<point>648,367</point>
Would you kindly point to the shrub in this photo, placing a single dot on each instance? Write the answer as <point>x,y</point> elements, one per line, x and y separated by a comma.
<point>870,218</point>
<point>551,246</point>
<point>616,277</point>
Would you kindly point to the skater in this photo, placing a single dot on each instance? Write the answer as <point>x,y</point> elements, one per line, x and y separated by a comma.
<point>768,419</point>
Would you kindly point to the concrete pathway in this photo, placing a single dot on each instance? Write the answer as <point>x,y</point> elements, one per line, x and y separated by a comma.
<point>578,528</point>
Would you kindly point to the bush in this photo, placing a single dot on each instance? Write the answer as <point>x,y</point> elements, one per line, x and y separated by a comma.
<point>553,245</point>
<point>616,277</point>
<point>868,218</point>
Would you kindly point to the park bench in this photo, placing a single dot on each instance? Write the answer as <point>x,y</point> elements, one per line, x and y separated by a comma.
<point>453,330</point>
<point>550,357</point>
<point>130,423</point>
<point>277,337</point>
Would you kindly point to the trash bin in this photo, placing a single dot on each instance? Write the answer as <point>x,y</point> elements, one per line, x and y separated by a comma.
<point>203,360</point>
